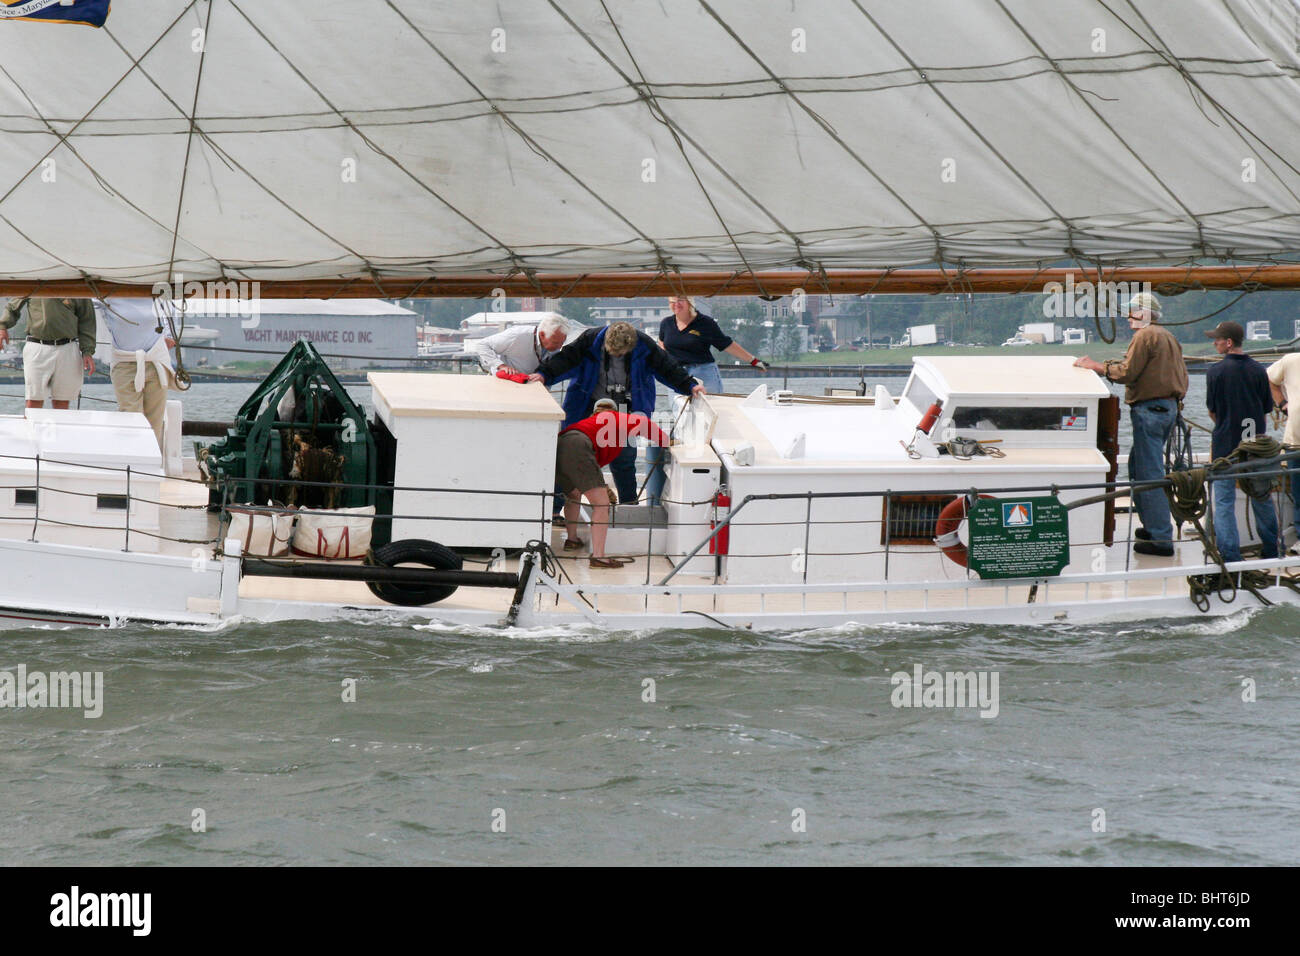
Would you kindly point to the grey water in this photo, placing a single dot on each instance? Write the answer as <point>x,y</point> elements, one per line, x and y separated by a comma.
<point>1153,743</point>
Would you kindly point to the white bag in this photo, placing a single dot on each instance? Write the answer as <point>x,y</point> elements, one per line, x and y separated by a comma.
<point>341,533</point>
<point>263,534</point>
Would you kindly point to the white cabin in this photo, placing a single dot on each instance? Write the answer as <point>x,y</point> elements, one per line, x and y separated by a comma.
<point>1040,411</point>
<point>87,478</point>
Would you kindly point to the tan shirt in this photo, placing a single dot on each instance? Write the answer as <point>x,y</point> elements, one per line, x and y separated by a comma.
<point>1285,372</point>
<point>54,319</point>
<point>1152,367</point>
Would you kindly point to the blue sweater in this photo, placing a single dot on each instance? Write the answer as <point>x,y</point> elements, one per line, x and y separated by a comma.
<point>581,359</point>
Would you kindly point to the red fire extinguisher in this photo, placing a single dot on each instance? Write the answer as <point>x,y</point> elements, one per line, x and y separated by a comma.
<point>931,416</point>
<point>721,541</point>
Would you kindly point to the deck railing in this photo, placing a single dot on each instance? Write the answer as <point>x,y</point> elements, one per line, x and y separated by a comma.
<point>750,507</point>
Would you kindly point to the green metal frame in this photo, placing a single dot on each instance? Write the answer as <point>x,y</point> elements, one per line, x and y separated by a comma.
<point>252,448</point>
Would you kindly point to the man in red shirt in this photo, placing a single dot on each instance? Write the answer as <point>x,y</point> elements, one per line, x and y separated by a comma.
<point>584,448</point>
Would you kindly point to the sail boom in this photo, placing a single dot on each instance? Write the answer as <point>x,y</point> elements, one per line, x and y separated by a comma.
<point>1164,279</point>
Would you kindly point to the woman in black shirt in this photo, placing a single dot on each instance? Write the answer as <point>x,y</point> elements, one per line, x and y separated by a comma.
<point>689,338</point>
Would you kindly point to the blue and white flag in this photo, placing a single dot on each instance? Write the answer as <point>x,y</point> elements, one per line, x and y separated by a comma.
<point>90,12</point>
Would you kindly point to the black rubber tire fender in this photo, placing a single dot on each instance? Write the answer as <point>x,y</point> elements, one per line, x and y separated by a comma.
<point>413,551</point>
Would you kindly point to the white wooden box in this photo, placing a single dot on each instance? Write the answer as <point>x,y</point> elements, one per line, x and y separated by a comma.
<point>470,434</point>
<point>68,480</point>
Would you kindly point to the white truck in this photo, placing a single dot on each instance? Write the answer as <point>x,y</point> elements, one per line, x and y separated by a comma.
<point>1259,331</point>
<point>1035,333</point>
<point>1074,337</point>
<point>921,335</point>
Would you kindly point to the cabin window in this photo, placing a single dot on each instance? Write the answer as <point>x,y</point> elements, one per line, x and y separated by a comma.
<point>112,502</point>
<point>25,496</point>
<point>1020,419</point>
<point>919,394</point>
<point>910,519</point>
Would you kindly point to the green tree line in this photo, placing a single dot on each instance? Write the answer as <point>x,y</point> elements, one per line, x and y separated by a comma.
<point>974,319</point>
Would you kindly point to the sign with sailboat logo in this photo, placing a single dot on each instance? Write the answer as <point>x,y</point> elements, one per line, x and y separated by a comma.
<point>1019,537</point>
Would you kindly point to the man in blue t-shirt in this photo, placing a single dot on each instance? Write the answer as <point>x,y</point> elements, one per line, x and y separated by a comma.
<point>1239,400</point>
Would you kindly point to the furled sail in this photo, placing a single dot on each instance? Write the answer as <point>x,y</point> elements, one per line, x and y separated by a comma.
<point>345,140</point>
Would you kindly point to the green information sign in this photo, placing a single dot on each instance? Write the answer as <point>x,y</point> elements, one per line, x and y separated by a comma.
<point>1019,537</point>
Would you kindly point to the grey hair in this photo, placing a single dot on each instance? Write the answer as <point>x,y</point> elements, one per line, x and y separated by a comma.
<point>552,322</point>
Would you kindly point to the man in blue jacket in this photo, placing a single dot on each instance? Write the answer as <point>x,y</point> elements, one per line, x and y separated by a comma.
<point>1239,400</point>
<point>621,364</point>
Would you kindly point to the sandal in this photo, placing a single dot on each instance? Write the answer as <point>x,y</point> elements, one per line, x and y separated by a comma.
<point>574,544</point>
<point>596,562</point>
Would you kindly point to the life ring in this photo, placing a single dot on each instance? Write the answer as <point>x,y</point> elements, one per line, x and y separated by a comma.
<point>413,551</point>
<point>945,529</point>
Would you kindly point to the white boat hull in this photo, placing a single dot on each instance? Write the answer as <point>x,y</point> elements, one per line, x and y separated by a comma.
<point>51,584</point>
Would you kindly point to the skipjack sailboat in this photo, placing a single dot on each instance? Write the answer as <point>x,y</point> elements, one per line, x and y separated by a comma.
<point>217,148</point>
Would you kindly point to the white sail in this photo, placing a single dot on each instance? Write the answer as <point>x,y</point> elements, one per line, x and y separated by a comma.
<point>347,138</point>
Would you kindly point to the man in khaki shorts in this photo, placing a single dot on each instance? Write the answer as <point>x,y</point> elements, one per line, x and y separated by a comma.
<point>60,346</point>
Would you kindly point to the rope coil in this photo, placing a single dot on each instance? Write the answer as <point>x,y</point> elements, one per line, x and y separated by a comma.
<point>1188,503</point>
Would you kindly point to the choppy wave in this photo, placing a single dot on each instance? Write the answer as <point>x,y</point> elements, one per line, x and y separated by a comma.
<point>672,746</point>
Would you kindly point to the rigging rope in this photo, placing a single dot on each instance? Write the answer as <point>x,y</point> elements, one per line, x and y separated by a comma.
<point>1188,503</point>
<point>1178,447</point>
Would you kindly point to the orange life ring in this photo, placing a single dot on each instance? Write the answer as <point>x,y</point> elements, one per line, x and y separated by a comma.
<point>945,529</point>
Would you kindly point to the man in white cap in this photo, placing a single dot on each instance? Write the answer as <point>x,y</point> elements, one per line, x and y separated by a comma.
<point>1154,377</point>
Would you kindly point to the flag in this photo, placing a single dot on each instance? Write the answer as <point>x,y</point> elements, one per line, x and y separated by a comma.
<point>90,12</point>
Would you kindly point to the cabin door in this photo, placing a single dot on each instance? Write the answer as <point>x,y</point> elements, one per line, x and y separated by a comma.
<point>1108,445</point>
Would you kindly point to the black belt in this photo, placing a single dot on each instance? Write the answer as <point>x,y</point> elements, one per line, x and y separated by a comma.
<point>50,341</point>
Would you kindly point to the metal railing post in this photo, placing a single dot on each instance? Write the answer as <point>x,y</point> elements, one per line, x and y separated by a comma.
<point>726,522</point>
<point>884,527</point>
<point>126,545</point>
<point>807,532</point>
<point>37,517</point>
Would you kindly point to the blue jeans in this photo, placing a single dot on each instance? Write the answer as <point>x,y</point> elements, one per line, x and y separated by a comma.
<point>1294,466</point>
<point>708,375</point>
<point>623,468</point>
<point>1225,522</point>
<point>1152,422</point>
<point>656,460</point>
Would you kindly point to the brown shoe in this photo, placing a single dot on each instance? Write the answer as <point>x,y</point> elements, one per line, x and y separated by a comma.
<point>596,562</point>
<point>574,544</point>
